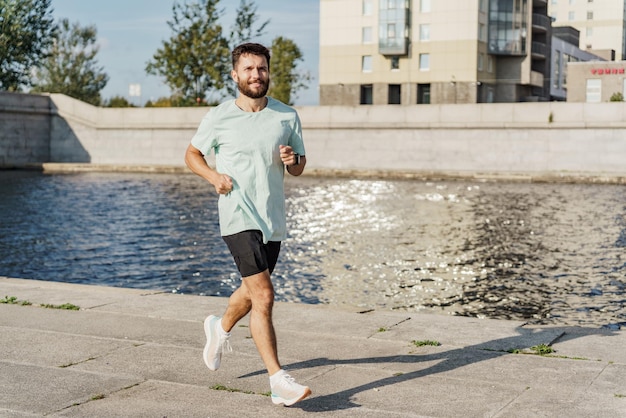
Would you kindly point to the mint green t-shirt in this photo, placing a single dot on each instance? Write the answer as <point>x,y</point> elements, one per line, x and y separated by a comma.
<point>246,149</point>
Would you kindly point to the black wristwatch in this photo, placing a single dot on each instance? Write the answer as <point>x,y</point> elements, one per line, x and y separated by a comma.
<point>297,156</point>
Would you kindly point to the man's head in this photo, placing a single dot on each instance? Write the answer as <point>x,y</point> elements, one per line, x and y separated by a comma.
<point>251,70</point>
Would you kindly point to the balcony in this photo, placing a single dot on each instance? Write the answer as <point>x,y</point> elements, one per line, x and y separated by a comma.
<point>539,50</point>
<point>541,23</point>
<point>536,79</point>
<point>397,46</point>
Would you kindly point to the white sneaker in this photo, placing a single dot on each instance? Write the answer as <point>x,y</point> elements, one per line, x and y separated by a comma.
<point>216,342</point>
<point>285,390</point>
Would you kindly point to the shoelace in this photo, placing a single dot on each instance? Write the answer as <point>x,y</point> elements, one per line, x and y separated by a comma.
<point>225,345</point>
<point>290,380</point>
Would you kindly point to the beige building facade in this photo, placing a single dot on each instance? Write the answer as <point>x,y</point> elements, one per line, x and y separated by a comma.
<point>602,24</point>
<point>433,52</point>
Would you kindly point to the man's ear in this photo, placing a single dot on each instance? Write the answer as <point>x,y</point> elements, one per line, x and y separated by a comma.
<point>233,74</point>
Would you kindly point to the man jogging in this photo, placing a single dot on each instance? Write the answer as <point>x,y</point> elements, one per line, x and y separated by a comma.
<point>254,138</point>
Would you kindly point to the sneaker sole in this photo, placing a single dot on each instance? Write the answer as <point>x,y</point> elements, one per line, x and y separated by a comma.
<point>277,400</point>
<point>207,332</point>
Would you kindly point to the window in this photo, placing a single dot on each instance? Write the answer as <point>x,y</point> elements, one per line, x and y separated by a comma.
<point>425,6</point>
<point>366,65</point>
<point>366,94</point>
<point>571,15</point>
<point>594,90</point>
<point>391,4</point>
<point>394,95</point>
<point>508,27</point>
<point>481,58</point>
<point>368,7</point>
<point>395,63</point>
<point>423,94</point>
<point>490,63</point>
<point>589,32</point>
<point>482,32</point>
<point>425,32</point>
<point>556,77</point>
<point>391,31</point>
<point>589,15</point>
<point>424,62</point>
<point>624,89</point>
<point>572,1</point>
<point>367,35</point>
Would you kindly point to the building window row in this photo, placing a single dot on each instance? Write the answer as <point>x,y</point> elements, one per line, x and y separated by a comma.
<point>394,94</point>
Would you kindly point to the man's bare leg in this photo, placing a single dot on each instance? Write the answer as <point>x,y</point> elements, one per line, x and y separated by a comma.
<point>256,295</point>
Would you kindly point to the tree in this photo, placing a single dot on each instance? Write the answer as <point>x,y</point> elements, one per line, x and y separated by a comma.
<point>196,56</point>
<point>118,101</point>
<point>71,67</point>
<point>617,97</point>
<point>285,78</point>
<point>242,31</point>
<point>26,31</point>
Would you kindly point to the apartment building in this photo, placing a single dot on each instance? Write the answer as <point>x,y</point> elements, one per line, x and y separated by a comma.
<point>602,24</point>
<point>427,51</point>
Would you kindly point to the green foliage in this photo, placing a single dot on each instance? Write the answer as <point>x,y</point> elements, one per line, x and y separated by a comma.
<point>65,306</point>
<point>26,32</point>
<point>71,67</point>
<point>118,101</point>
<point>426,342</point>
<point>160,102</point>
<point>617,97</point>
<point>195,58</point>
<point>12,300</point>
<point>542,349</point>
<point>285,78</point>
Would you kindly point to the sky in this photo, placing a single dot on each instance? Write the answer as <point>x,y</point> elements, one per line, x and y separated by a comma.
<point>131,31</point>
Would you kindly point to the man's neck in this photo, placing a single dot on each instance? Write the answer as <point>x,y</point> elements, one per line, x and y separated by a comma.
<point>248,104</point>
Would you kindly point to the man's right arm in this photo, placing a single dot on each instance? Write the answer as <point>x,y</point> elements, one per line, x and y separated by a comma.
<point>196,163</point>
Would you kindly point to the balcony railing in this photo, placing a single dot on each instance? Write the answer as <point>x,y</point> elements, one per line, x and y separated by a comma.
<point>539,50</point>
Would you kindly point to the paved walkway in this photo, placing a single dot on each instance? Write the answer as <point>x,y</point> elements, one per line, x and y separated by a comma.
<point>138,353</point>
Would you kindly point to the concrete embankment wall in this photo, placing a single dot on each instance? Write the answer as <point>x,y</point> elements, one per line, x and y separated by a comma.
<point>553,140</point>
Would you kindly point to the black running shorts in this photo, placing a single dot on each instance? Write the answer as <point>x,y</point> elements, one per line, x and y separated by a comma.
<point>250,254</point>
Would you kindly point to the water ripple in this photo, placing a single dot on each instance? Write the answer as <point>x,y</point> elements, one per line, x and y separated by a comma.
<point>544,253</point>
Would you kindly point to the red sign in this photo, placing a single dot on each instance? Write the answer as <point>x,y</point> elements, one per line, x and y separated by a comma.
<point>601,71</point>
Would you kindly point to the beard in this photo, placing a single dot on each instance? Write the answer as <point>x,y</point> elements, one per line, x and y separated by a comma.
<point>245,89</point>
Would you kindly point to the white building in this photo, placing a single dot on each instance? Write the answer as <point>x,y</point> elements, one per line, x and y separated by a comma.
<point>602,24</point>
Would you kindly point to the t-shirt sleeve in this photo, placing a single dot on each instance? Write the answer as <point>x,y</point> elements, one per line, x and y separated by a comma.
<point>295,140</point>
<point>204,138</point>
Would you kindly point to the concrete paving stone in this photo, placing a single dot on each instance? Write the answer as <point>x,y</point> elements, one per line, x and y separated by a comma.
<point>51,389</point>
<point>593,344</point>
<point>151,303</point>
<point>110,325</point>
<point>165,399</point>
<point>47,348</point>
<point>143,352</point>
<point>174,364</point>
<point>565,400</point>
<point>5,413</point>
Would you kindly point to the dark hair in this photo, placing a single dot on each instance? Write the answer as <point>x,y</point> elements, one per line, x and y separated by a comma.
<point>250,48</point>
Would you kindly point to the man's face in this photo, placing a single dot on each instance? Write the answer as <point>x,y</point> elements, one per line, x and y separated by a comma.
<point>252,75</point>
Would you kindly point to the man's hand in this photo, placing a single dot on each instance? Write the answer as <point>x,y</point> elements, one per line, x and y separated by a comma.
<point>223,184</point>
<point>287,155</point>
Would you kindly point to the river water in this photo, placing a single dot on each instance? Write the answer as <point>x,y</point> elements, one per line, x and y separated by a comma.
<point>543,253</point>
